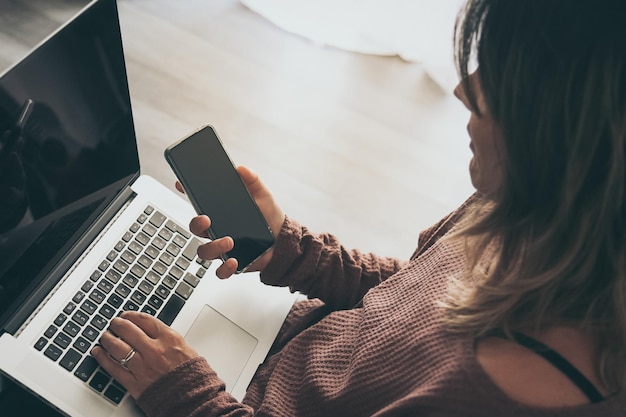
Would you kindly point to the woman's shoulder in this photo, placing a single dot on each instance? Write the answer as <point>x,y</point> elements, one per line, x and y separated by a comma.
<point>533,379</point>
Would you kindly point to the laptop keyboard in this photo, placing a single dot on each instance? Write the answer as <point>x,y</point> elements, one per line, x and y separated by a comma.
<point>150,269</point>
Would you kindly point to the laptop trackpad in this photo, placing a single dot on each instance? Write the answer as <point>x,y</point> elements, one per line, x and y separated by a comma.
<point>226,346</point>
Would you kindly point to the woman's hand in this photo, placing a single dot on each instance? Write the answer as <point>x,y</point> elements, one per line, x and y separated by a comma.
<point>138,349</point>
<point>270,210</point>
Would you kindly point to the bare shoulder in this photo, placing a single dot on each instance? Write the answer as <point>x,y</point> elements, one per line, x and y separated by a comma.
<point>528,378</point>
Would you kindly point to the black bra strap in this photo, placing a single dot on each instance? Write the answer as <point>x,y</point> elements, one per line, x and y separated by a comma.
<point>558,361</point>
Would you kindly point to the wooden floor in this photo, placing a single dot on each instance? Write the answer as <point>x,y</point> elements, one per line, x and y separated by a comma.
<point>366,147</point>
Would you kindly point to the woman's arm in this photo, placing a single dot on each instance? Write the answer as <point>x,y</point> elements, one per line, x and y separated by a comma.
<point>320,267</point>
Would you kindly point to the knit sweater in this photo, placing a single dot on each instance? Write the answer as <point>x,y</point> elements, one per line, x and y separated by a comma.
<point>370,341</point>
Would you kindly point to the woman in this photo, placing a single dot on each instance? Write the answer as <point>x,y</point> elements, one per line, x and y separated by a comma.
<point>513,305</point>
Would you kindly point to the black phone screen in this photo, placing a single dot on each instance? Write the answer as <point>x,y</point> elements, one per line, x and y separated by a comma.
<point>214,188</point>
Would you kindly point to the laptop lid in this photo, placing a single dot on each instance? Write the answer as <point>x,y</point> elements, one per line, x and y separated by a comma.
<point>67,149</point>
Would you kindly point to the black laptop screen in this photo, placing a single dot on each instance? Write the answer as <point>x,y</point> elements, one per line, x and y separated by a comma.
<point>66,133</point>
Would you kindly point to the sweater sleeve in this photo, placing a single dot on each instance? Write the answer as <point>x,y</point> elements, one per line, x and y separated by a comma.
<point>318,266</point>
<point>192,389</point>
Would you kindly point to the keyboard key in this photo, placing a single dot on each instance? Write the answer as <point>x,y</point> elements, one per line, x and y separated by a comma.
<point>60,319</point>
<point>176,272</point>
<point>134,228</point>
<point>70,360</point>
<point>81,344</point>
<point>42,342</point>
<point>143,238</point>
<point>122,290</point>
<point>99,322</point>
<point>80,317</point>
<point>53,352</point>
<point>159,243</point>
<point>127,237</point>
<point>191,251</point>
<point>171,226</point>
<point>113,276</point>
<point>119,246</point>
<point>172,249</point>
<point>135,247</point>
<point>99,381</point>
<point>90,333</point>
<point>78,297</point>
<point>184,290</point>
<point>71,328</point>
<point>120,266</point>
<point>130,281</point>
<point>96,296</point>
<point>138,271</point>
<point>191,280</point>
<point>144,261</point>
<point>155,302</point>
<point>114,393</point>
<point>179,241</point>
<point>69,308</point>
<point>162,291</point>
<point>182,263</point>
<point>152,277</point>
<point>105,286</point>
<point>169,282</point>
<point>166,258</point>
<point>62,340</point>
<point>107,311</point>
<point>149,229</point>
<point>50,331</point>
<point>111,256</point>
<point>142,218</point>
<point>157,219</point>
<point>115,300</point>
<point>103,266</point>
<point>129,257</point>
<point>87,286</point>
<point>146,287</point>
<point>148,210</point>
<point>165,234</point>
<point>149,310</point>
<point>95,276</point>
<point>152,251</point>
<point>159,268</point>
<point>171,309</point>
<point>88,307</point>
<point>130,306</point>
<point>138,297</point>
<point>87,367</point>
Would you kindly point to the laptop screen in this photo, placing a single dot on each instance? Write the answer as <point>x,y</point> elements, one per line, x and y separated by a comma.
<point>66,134</point>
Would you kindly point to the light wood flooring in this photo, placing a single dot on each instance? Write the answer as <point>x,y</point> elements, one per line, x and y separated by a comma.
<point>366,147</point>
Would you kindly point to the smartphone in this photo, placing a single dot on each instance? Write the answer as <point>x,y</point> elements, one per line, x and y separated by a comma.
<point>214,188</point>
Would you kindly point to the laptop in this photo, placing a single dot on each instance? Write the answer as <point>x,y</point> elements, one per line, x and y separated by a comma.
<point>84,236</point>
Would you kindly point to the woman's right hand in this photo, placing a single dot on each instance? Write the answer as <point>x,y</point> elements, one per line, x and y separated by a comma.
<point>214,249</point>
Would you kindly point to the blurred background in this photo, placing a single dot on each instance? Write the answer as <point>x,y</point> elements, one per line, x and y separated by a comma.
<point>344,108</point>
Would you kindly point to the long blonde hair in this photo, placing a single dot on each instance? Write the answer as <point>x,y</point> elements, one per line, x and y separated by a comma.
<point>553,73</point>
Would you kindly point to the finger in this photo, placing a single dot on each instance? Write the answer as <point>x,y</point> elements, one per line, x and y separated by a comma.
<point>150,325</point>
<point>113,368</point>
<point>179,187</point>
<point>130,333</point>
<point>116,347</point>
<point>216,248</point>
<point>251,179</point>
<point>227,269</point>
<point>199,225</point>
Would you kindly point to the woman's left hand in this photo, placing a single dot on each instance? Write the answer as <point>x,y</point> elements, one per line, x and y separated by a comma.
<point>138,349</point>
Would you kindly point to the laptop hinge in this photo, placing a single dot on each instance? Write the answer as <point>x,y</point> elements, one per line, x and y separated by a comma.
<point>29,309</point>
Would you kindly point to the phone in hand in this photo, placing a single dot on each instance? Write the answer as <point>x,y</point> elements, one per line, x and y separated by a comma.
<point>214,188</point>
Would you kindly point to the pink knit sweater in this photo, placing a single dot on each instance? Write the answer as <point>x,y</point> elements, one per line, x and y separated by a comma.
<point>369,342</point>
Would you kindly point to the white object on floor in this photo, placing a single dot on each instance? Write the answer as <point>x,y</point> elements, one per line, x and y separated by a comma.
<point>416,30</point>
